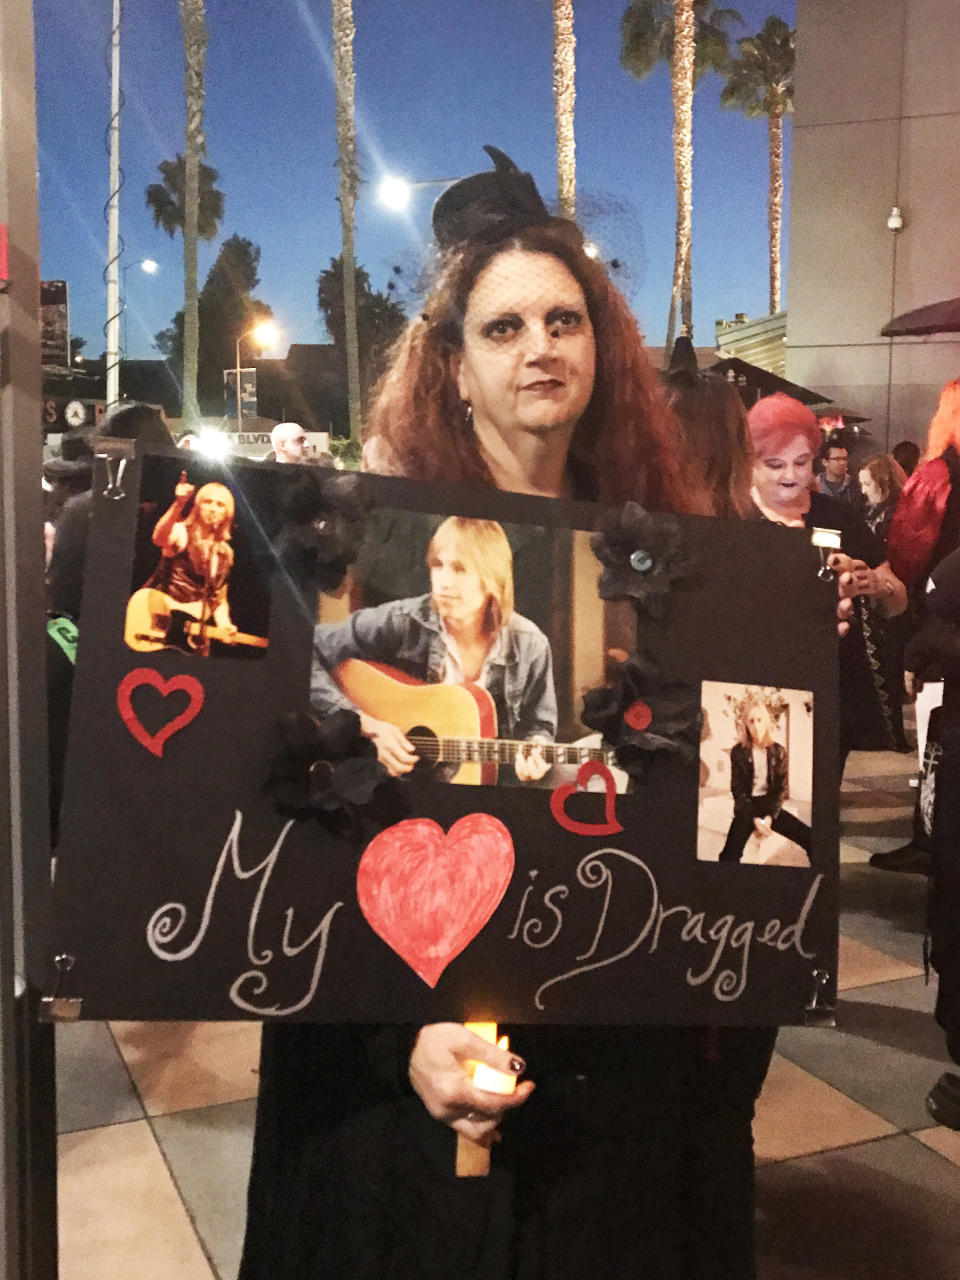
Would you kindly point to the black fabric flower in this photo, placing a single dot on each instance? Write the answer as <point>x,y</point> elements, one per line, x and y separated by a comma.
<point>323,523</point>
<point>326,769</point>
<point>643,557</point>
<point>640,715</point>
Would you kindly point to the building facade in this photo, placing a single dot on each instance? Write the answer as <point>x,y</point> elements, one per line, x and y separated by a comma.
<point>877,128</point>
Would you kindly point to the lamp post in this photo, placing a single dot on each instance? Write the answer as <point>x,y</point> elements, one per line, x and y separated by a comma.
<point>149,268</point>
<point>265,334</point>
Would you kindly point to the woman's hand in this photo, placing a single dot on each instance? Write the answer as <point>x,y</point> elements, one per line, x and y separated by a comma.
<point>860,579</point>
<point>856,578</point>
<point>184,491</point>
<point>763,827</point>
<point>438,1076</point>
<point>529,765</point>
<point>393,750</point>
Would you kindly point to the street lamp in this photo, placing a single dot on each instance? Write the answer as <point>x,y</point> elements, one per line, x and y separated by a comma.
<point>395,192</point>
<point>149,268</point>
<point>265,334</point>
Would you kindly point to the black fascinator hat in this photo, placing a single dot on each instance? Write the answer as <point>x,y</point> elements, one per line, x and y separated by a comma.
<point>488,206</point>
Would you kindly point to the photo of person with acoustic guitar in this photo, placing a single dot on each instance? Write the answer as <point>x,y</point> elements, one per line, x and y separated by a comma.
<point>184,603</point>
<point>469,680</point>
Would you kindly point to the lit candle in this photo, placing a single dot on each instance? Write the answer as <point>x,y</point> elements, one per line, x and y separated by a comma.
<point>485,1077</point>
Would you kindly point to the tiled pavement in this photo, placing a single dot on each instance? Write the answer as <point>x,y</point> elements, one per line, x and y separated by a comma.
<point>854,1179</point>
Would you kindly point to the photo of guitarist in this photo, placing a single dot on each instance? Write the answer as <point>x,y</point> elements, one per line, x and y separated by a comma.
<point>463,632</point>
<point>184,602</point>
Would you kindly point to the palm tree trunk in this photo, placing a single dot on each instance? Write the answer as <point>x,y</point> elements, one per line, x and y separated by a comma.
<point>343,33</point>
<point>681,80</point>
<point>564,95</point>
<point>775,205</point>
<point>195,48</point>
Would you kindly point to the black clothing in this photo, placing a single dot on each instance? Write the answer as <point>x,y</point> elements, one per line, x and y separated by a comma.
<point>936,647</point>
<point>61,648</point>
<point>742,828</point>
<point>186,578</point>
<point>742,778</point>
<point>639,1165</point>
<point>65,571</point>
<point>866,695</point>
<point>747,806</point>
<point>879,518</point>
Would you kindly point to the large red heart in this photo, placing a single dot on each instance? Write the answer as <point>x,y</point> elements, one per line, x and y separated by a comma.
<point>428,893</point>
<point>146,675</point>
<point>558,799</point>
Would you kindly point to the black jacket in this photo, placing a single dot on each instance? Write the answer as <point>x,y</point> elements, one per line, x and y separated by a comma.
<point>741,776</point>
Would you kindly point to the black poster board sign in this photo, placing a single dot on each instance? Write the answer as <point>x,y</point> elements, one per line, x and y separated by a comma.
<point>592,895</point>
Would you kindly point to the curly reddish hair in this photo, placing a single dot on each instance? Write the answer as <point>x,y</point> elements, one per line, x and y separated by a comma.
<point>625,445</point>
<point>945,425</point>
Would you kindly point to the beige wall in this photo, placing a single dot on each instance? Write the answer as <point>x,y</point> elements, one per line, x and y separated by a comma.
<point>877,124</point>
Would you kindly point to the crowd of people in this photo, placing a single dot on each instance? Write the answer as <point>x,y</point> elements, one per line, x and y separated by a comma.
<point>627,1151</point>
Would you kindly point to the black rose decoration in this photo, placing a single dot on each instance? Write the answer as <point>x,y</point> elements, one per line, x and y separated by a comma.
<point>640,715</point>
<point>325,769</point>
<point>323,524</point>
<point>643,557</point>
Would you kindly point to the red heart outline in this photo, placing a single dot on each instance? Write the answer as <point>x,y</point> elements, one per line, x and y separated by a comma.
<point>428,892</point>
<point>558,799</point>
<point>146,675</point>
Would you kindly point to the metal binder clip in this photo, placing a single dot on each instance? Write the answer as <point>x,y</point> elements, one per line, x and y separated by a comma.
<point>57,1008</point>
<point>817,1014</point>
<point>826,541</point>
<point>116,454</point>
<point>115,470</point>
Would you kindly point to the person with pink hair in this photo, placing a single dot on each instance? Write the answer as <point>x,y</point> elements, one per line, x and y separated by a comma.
<point>785,437</point>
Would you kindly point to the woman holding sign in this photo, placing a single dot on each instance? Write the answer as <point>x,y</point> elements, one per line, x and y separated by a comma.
<point>633,1154</point>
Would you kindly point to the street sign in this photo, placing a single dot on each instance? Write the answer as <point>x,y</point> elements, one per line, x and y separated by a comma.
<point>54,325</point>
<point>248,393</point>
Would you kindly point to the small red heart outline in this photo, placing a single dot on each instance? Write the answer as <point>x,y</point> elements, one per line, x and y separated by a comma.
<point>558,799</point>
<point>428,892</point>
<point>154,742</point>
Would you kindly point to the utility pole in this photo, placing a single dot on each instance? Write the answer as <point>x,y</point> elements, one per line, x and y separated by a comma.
<point>112,328</point>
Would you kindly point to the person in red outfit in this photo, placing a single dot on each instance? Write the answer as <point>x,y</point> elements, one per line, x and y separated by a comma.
<point>926,524</point>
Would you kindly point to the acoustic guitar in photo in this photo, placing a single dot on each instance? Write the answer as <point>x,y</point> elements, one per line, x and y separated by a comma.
<point>157,621</point>
<point>447,723</point>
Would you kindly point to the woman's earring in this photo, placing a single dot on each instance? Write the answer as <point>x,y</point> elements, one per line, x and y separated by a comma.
<point>467,414</point>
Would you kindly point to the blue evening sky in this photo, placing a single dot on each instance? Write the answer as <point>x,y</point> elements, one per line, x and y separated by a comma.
<point>436,79</point>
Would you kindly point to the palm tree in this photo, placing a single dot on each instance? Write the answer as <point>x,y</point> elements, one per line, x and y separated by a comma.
<point>760,83</point>
<point>691,36</point>
<point>166,199</point>
<point>343,78</point>
<point>564,94</point>
<point>192,20</point>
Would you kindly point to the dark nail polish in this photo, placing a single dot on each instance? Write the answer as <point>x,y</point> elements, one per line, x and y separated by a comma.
<point>517,1066</point>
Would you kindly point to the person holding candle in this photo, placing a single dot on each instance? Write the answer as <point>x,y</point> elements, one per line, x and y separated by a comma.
<point>785,435</point>
<point>633,1154</point>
